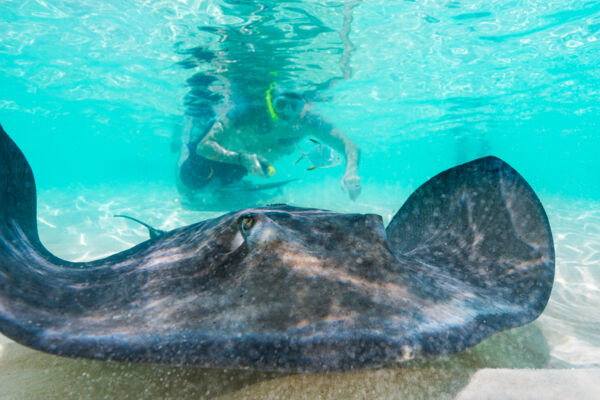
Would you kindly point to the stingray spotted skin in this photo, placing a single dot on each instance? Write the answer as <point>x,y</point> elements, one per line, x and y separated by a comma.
<point>285,288</point>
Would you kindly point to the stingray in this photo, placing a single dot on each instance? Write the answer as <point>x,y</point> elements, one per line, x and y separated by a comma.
<point>285,288</point>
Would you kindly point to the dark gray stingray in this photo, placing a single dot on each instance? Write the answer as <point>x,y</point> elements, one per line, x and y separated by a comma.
<point>285,288</point>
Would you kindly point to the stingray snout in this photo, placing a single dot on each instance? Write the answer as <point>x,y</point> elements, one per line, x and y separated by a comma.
<point>366,228</point>
<point>374,224</point>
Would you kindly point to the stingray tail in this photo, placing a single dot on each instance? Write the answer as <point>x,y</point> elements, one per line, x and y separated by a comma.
<point>154,233</point>
<point>255,187</point>
<point>482,223</point>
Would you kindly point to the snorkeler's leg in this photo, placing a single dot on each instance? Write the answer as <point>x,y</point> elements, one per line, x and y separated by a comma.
<point>193,171</point>
<point>183,138</point>
<point>182,189</point>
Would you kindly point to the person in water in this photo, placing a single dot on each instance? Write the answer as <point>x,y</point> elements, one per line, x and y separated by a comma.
<point>251,137</point>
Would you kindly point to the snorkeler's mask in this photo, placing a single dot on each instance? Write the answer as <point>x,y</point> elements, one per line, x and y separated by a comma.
<point>285,105</point>
<point>288,105</point>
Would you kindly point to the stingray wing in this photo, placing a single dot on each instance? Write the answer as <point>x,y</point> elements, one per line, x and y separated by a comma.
<point>480,237</point>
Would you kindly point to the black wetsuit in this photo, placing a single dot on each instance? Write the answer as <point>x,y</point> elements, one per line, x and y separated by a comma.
<point>197,171</point>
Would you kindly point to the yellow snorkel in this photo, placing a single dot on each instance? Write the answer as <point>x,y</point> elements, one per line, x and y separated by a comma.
<point>268,98</point>
<point>274,117</point>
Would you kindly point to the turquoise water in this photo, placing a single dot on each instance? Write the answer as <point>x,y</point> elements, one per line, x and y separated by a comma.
<point>431,80</point>
<point>93,92</point>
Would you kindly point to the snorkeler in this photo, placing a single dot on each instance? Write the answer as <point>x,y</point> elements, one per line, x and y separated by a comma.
<point>252,136</point>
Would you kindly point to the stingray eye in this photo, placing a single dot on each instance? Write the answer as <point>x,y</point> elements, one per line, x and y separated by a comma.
<point>247,223</point>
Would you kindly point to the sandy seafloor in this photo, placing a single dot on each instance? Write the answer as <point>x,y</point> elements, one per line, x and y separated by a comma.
<point>77,224</point>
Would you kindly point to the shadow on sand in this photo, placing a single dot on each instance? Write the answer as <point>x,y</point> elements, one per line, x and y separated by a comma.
<point>26,373</point>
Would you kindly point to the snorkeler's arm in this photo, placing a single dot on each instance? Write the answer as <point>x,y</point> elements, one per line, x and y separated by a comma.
<point>210,148</point>
<point>330,135</point>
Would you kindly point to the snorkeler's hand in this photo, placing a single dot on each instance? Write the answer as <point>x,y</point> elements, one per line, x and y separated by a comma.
<point>351,184</point>
<point>255,164</point>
